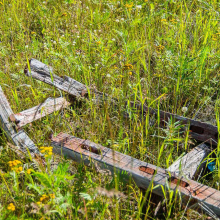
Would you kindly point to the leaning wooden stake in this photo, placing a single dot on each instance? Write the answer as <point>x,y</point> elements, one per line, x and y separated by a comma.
<point>144,174</point>
<point>19,138</point>
<point>37,112</point>
<point>192,163</point>
<point>198,130</point>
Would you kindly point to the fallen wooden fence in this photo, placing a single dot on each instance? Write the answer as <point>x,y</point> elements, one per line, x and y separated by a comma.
<point>178,177</point>
<point>198,130</point>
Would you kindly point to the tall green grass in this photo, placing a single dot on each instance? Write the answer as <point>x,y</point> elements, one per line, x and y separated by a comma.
<point>173,51</point>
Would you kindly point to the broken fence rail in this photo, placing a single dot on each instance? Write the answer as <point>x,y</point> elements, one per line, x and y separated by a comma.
<point>198,130</point>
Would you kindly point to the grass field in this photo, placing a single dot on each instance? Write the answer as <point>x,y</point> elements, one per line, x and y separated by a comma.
<point>164,53</point>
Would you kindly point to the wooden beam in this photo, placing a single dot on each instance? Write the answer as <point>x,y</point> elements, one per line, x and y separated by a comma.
<point>44,73</point>
<point>144,174</point>
<point>37,112</point>
<point>19,138</point>
<point>198,130</point>
<point>190,165</point>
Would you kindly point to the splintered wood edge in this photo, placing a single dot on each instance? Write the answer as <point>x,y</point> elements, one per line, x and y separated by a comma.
<point>142,173</point>
<point>39,111</point>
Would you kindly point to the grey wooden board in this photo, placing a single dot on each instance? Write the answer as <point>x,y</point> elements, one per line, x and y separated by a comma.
<point>19,138</point>
<point>192,163</point>
<point>37,112</point>
<point>201,195</point>
<point>44,73</point>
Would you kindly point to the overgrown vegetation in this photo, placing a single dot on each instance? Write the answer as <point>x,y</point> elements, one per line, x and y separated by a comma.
<point>163,53</point>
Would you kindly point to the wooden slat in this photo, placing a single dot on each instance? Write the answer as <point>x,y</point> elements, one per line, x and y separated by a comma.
<point>143,173</point>
<point>37,112</point>
<point>19,138</point>
<point>192,163</point>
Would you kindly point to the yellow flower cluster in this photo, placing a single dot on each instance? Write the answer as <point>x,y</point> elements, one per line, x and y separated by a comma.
<point>29,171</point>
<point>11,207</point>
<point>129,5</point>
<point>128,67</point>
<point>173,21</point>
<point>14,165</point>
<point>48,151</point>
<point>45,197</point>
<point>160,48</point>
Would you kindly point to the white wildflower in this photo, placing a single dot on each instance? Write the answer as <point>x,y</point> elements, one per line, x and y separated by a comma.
<point>113,39</point>
<point>122,19</point>
<point>139,6</point>
<point>117,20</point>
<point>184,109</point>
<point>108,75</point>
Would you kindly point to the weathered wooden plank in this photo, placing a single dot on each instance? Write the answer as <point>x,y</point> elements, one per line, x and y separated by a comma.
<point>198,130</point>
<point>44,73</point>
<point>142,173</point>
<point>19,138</point>
<point>37,112</point>
<point>192,163</point>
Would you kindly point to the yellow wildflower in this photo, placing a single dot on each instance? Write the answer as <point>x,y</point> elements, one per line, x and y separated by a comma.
<point>11,207</point>
<point>129,5</point>
<point>64,14</point>
<point>163,20</point>
<point>173,21</point>
<point>160,48</point>
<point>38,203</point>
<point>52,196</point>
<point>106,49</point>
<point>130,73</point>
<point>98,42</point>
<point>128,67</point>
<point>43,197</point>
<point>29,171</point>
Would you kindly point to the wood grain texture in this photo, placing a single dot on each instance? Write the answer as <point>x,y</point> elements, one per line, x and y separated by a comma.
<point>144,174</point>
<point>44,73</point>
<point>37,112</point>
<point>19,138</point>
<point>192,163</point>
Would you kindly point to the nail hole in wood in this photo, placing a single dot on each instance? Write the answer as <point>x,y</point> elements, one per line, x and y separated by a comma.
<point>91,149</point>
<point>179,182</point>
<point>147,170</point>
<point>196,129</point>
